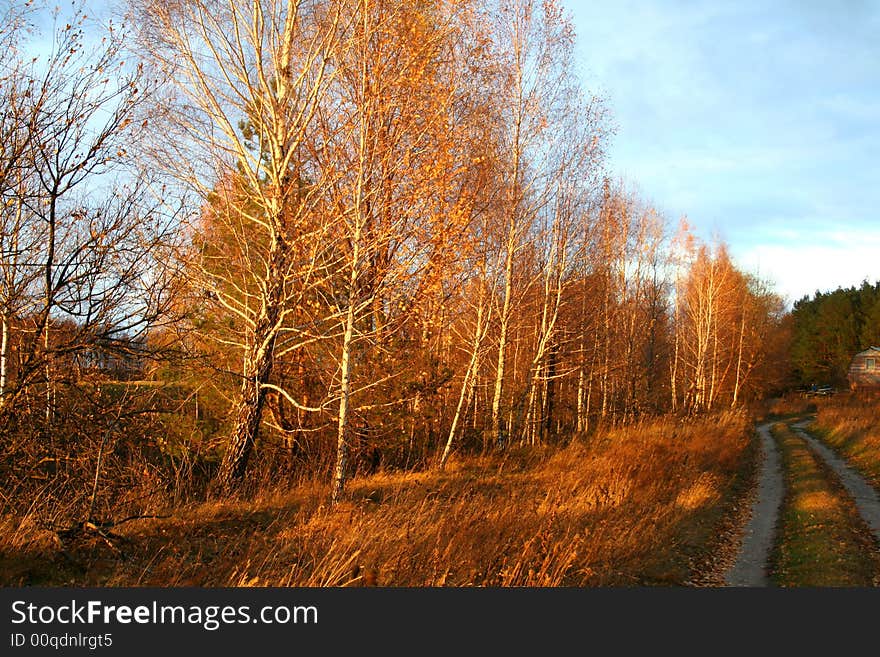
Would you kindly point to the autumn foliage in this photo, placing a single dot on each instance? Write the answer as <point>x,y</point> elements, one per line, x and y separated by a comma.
<point>358,243</point>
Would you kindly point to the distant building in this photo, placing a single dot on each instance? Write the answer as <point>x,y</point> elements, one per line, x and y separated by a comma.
<point>116,360</point>
<point>864,370</point>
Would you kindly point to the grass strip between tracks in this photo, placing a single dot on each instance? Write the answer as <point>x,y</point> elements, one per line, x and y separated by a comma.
<point>822,540</point>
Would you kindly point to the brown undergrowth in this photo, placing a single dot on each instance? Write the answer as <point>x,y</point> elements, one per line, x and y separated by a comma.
<point>642,505</point>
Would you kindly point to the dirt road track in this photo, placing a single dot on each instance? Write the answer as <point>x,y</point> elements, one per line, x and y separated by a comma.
<point>750,567</point>
<point>865,497</point>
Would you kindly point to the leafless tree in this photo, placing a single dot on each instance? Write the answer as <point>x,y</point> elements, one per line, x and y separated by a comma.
<point>80,236</point>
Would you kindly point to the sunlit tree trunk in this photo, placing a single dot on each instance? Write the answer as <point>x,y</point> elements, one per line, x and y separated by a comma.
<point>468,382</point>
<point>343,441</point>
<point>256,370</point>
<point>739,358</point>
<point>504,323</point>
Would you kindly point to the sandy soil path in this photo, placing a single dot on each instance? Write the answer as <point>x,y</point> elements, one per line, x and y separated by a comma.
<point>750,567</point>
<point>865,497</point>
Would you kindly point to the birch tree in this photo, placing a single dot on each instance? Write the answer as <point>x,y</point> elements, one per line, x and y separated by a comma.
<point>400,191</point>
<point>245,81</point>
<point>534,41</point>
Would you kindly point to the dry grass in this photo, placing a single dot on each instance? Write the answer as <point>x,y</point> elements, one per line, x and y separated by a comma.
<point>850,424</point>
<point>791,405</point>
<point>636,506</point>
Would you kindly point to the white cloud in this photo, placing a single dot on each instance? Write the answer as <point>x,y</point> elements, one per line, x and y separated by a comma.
<point>823,261</point>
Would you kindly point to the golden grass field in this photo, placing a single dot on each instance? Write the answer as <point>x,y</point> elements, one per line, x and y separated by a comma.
<point>643,505</point>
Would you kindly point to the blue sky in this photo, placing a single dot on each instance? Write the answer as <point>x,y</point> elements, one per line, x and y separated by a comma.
<point>758,120</point>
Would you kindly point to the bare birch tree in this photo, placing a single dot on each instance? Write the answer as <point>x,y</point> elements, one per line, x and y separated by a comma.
<point>246,80</point>
<point>400,188</point>
<point>534,41</point>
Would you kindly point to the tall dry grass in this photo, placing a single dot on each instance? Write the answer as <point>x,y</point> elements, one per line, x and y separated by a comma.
<point>640,505</point>
<point>792,404</point>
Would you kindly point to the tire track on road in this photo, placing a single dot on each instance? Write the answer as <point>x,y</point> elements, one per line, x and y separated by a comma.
<point>864,495</point>
<point>750,567</point>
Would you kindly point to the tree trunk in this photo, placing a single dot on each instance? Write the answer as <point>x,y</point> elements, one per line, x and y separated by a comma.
<point>248,415</point>
<point>257,369</point>
<point>466,384</point>
<point>550,391</point>
<point>4,359</point>
<point>343,445</point>
<point>50,302</point>
<point>502,338</point>
<point>739,355</point>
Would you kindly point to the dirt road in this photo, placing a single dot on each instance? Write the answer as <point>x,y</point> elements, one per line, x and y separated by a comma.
<point>865,497</point>
<point>750,567</point>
